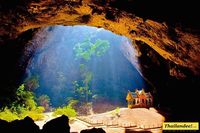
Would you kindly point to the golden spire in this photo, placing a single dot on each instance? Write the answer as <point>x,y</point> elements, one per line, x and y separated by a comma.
<point>129,96</point>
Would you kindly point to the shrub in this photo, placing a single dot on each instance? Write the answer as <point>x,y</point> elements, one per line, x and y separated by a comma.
<point>66,110</point>
<point>8,115</point>
<point>40,109</point>
<point>116,112</point>
<point>22,107</point>
<point>30,104</point>
<point>36,114</point>
<point>24,99</point>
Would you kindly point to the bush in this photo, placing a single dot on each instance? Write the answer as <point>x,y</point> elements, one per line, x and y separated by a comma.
<point>24,99</point>
<point>116,112</point>
<point>40,109</point>
<point>66,110</point>
<point>8,115</point>
<point>36,114</point>
<point>30,104</point>
<point>22,107</point>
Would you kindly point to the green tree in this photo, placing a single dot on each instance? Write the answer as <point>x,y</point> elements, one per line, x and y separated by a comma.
<point>24,99</point>
<point>85,51</point>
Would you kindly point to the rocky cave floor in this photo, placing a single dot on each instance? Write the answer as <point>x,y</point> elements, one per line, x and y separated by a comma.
<point>121,121</point>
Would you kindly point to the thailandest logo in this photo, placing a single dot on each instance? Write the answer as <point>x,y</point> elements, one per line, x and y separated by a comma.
<point>180,126</point>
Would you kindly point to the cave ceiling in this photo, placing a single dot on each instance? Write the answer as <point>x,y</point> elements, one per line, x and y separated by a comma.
<point>173,43</point>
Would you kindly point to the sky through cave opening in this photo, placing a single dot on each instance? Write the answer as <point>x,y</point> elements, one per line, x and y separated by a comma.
<point>82,63</point>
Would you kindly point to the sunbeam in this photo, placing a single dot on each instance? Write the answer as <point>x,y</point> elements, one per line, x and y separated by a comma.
<point>85,64</point>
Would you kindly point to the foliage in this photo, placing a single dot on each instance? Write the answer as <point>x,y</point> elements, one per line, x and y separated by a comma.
<point>36,114</point>
<point>87,49</point>
<point>44,101</point>
<point>116,112</point>
<point>30,104</point>
<point>24,99</point>
<point>82,50</point>
<point>40,109</point>
<point>82,92</point>
<point>82,88</point>
<point>22,107</point>
<point>66,110</point>
<point>100,47</point>
<point>8,115</point>
<point>32,83</point>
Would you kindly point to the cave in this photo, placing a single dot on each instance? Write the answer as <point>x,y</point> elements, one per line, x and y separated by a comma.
<point>69,56</point>
<point>166,44</point>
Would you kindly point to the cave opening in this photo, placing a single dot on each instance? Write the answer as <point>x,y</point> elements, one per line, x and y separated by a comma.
<point>85,73</point>
<point>82,72</point>
<point>139,53</point>
<point>84,64</point>
<point>56,62</point>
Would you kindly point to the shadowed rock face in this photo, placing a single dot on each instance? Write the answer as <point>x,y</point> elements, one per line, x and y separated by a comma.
<point>171,43</point>
<point>93,130</point>
<point>27,125</point>
<point>168,43</point>
<point>60,125</point>
<point>22,126</point>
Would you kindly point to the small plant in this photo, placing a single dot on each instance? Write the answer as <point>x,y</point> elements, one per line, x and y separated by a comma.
<point>116,112</point>
<point>66,110</point>
<point>8,115</point>
<point>36,114</point>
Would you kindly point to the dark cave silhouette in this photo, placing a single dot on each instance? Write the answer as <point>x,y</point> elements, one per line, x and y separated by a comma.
<point>27,125</point>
